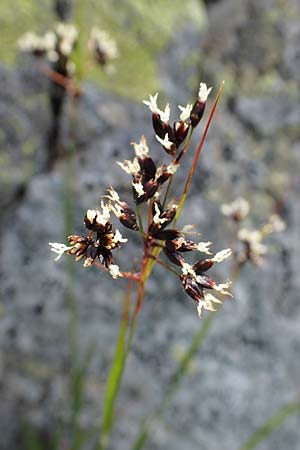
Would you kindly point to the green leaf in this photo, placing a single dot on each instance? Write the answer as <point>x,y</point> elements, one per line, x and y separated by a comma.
<point>271,425</point>
<point>115,374</point>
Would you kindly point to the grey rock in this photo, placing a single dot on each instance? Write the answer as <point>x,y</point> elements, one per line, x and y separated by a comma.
<point>248,366</point>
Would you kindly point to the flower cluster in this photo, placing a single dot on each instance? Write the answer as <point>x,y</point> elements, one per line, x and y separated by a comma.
<point>250,241</point>
<point>159,234</point>
<point>99,243</point>
<point>171,137</point>
<point>58,45</point>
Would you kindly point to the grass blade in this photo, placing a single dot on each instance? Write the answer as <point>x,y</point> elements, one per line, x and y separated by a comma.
<point>115,374</point>
<point>271,425</point>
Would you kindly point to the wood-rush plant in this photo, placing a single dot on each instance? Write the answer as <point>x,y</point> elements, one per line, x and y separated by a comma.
<point>154,217</point>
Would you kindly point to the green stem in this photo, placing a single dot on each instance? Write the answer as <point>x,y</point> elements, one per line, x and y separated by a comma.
<point>271,425</point>
<point>115,374</point>
<point>140,221</point>
<point>166,266</point>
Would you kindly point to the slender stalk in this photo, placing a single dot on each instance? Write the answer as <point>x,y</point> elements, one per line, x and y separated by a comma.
<point>166,266</point>
<point>115,374</point>
<point>271,425</point>
<point>186,145</point>
<point>197,154</point>
<point>140,221</point>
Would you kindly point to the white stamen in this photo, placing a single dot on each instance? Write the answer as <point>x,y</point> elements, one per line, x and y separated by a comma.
<point>152,104</point>
<point>205,305</point>
<point>113,195</point>
<point>187,269</point>
<point>105,210</point>
<point>141,149</point>
<point>203,247</point>
<point>223,254</point>
<point>165,142</point>
<point>222,288</point>
<point>118,237</point>
<point>59,248</point>
<point>103,218</point>
<point>114,270</point>
<point>165,115</point>
<point>156,217</point>
<point>209,297</point>
<point>203,92</point>
<point>130,167</point>
<point>186,111</point>
<point>88,262</point>
<point>116,209</point>
<point>91,214</point>
<point>172,168</point>
<point>138,187</point>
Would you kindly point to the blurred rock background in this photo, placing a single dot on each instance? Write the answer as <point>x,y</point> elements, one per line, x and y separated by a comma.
<point>249,365</point>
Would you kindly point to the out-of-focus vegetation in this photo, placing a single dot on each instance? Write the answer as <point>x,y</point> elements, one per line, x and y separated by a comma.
<point>141,29</point>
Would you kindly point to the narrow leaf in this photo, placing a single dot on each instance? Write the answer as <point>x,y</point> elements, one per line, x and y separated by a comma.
<point>271,425</point>
<point>115,374</point>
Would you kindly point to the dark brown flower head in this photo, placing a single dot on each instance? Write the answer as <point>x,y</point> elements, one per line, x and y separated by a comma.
<point>164,132</point>
<point>79,246</point>
<point>95,221</point>
<point>128,217</point>
<point>161,128</point>
<point>162,218</point>
<point>174,247</point>
<point>164,172</point>
<point>199,106</point>
<point>146,178</point>
<point>102,239</point>
<point>122,210</point>
<point>142,191</point>
<point>192,288</point>
<point>173,256</point>
<point>160,119</point>
<point>203,265</point>
<point>168,143</point>
<point>195,282</point>
<point>180,132</point>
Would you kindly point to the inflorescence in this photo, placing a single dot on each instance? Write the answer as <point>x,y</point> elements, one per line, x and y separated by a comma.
<point>160,235</point>
<point>250,242</point>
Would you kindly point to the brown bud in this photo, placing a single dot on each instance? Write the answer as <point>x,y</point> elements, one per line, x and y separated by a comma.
<point>165,235</point>
<point>128,217</point>
<point>148,168</point>
<point>192,288</point>
<point>197,112</point>
<point>180,132</point>
<point>203,265</point>
<point>174,257</point>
